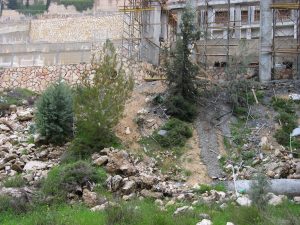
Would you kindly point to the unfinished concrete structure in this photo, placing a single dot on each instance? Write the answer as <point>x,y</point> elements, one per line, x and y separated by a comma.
<point>269,28</point>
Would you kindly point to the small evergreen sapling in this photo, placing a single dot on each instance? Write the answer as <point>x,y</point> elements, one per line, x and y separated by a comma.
<point>54,117</point>
<point>100,102</point>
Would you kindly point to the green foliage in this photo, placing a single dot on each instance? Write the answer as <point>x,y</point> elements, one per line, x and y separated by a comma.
<point>145,212</point>
<point>258,191</point>
<point>34,9</point>
<point>240,96</point>
<point>280,105</point>
<point>54,117</point>
<point>177,134</point>
<point>65,178</point>
<point>80,5</point>
<point>182,72</point>
<point>206,188</point>
<point>288,119</point>
<point>15,97</point>
<point>15,182</point>
<point>12,4</point>
<point>99,104</point>
<point>180,108</point>
<point>239,132</point>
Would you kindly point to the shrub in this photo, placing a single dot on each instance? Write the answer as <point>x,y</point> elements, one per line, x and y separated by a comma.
<point>259,189</point>
<point>66,178</point>
<point>177,133</point>
<point>54,117</point>
<point>280,104</point>
<point>99,104</point>
<point>16,181</point>
<point>180,108</point>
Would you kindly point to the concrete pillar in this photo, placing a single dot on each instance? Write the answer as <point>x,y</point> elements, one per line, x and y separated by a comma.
<point>179,15</point>
<point>265,56</point>
<point>238,23</point>
<point>164,26</point>
<point>211,20</point>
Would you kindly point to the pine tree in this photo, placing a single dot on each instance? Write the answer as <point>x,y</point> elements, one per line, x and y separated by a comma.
<point>12,4</point>
<point>99,103</point>
<point>181,72</point>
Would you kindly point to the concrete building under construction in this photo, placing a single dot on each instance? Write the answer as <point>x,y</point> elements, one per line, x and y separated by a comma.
<point>270,30</point>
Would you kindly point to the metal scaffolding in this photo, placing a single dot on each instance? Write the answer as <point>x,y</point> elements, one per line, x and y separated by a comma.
<point>286,46</point>
<point>134,19</point>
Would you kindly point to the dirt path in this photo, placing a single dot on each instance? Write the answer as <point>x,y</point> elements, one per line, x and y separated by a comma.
<point>191,162</point>
<point>209,143</point>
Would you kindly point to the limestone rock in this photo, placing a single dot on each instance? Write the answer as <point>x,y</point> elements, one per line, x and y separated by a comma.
<point>101,160</point>
<point>183,209</point>
<point>275,200</point>
<point>244,201</point>
<point>114,182</point>
<point>151,194</point>
<point>119,162</point>
<point>24,115</point>
<point>35,165</point>
<point>129,187</point>
<point>89,198</point>
<point>205,222</point>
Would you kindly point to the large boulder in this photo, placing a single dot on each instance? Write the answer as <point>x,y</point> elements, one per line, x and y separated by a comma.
<point>119,163</point>
<point>244,201</point>
<point>35,165</point>
<point>275,199</point>
<point>151,194</point>
<point>129,187</point>
<point>24,115</point>
<point>114,183</point>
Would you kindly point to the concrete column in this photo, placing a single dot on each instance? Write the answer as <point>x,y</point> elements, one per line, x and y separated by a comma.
<point>238,23</point>
<point>179,15</point>
<point>211,20</point>
<point>265,56</point>
<point>164,26</point>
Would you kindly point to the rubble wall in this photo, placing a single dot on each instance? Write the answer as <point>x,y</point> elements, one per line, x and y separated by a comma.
<point>77,29</point>
<point>38,78</point>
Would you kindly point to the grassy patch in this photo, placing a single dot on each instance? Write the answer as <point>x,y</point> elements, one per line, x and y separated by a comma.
<point>15,182</point>
<point>206,188</point>
<point>288,119</point>
<point>145,212</point>
<point>239,132</point>
<point>177,133</point>
<point>65,178</point>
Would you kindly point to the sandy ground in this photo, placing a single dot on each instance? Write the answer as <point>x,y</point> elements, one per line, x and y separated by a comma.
<point>192,162</point>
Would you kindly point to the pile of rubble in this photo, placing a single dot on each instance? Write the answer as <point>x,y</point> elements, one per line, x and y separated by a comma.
<point>130,177</point>
<point>276,163</point>
<point>18,153</point>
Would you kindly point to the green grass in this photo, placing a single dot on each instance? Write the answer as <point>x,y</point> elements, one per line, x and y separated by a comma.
<point>145,212</point>
<point>288,118</point>
<point>16,181</point>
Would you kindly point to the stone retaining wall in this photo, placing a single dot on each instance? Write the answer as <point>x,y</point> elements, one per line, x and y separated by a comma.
<point>38,78</point>
<point>77,29</point>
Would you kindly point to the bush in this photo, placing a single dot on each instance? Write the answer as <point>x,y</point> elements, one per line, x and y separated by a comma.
<point>259,189</point>
<point>54,117</point>
<point>66,178</point>
<point>180,108</point>
<point>177,134</point>
<point>16,181</point>
<point>284,105</point>
<point>99,104</point>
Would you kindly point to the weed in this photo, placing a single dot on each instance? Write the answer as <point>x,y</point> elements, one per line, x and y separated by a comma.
<point>16,182</point>
<point>177,133</point>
